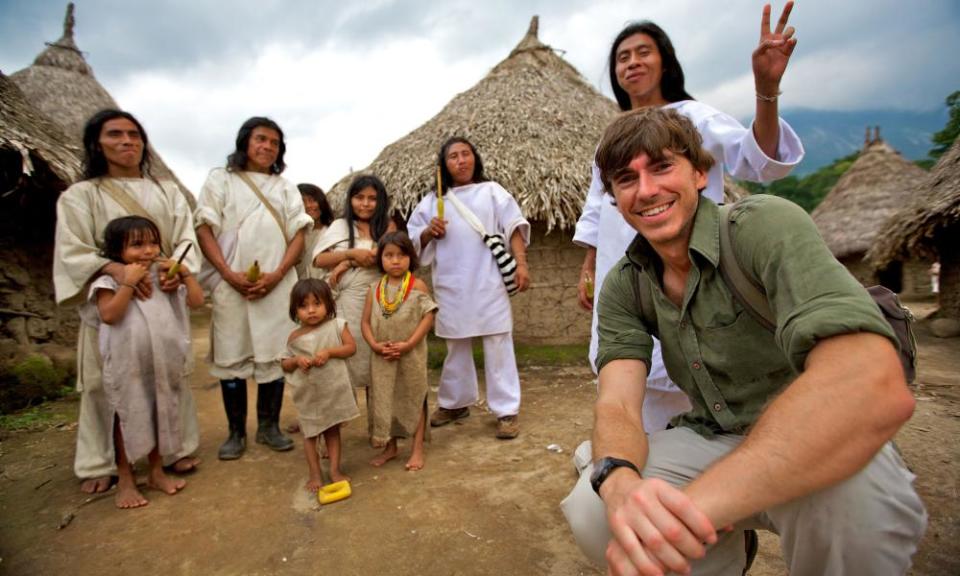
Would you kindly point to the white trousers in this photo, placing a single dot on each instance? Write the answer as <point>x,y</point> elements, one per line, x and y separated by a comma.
<point>458,380</point>
<point>870,523</point>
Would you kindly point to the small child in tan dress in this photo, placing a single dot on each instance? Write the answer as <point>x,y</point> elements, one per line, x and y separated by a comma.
<point>317,374</point>
<point>396,318</point>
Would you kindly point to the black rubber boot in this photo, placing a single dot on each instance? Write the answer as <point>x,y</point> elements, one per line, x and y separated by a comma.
<point>269,402</point>
<point>235,405</point>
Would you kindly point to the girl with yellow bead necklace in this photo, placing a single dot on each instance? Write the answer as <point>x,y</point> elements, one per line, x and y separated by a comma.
<point>397,315</point>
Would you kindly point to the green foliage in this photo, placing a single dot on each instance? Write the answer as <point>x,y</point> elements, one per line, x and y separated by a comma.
<point>943,139</point>
<point>809,191</point>
<point>31,381</point>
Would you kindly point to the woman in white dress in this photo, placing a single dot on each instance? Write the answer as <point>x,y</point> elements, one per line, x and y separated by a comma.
<point>469,288</point>
<point>347,252</point>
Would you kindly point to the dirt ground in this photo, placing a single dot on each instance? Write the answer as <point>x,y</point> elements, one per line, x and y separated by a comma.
<point>481,506</point>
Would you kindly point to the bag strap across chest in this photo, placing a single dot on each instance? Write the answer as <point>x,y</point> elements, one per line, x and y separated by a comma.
<point>263,199</point>
<point>749,292</point>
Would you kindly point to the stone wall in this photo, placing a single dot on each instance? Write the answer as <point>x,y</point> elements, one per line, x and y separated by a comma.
<point>548,313</point>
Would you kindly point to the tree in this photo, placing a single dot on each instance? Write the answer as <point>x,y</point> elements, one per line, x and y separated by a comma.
<point>943,139</point>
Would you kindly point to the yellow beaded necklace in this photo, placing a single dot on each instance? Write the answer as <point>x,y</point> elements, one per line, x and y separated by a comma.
<point>389,307</point>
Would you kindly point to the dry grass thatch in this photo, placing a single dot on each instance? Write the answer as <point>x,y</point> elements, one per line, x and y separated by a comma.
<point>935,206</point>
<point>852,216</point>
<point>61,84</point>
<point>536,123</point>
<point>34,137</point>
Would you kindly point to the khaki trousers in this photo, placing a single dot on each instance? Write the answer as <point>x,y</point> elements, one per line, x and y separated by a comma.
<point>871,523</point>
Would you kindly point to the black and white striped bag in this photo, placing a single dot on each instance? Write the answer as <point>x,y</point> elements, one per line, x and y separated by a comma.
<point>506,263</point>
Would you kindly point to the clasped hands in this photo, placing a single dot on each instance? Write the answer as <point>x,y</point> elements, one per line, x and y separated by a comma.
<point>392,350</point>
<point>656,528</point>
<point>253,290</point>
<point>305,363</point>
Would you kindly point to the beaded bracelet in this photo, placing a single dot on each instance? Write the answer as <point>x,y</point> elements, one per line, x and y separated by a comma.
<point>773,98</point>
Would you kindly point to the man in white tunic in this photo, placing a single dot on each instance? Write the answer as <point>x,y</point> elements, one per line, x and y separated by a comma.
<point>117,183</point>
<point>248,215</point>
<point>469,288</point>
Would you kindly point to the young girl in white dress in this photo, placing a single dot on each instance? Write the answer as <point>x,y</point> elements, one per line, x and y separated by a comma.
<point>317,373</point>
<point>144,346</point>
<point>397,315</point>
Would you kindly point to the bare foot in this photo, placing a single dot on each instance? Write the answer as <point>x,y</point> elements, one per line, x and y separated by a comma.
<point>184,465</point>
<point>415,462</point>
<point>388,454</point>
<point>96,485</point>
<point>160,481</point>
<point>313,485</point>
<point>128,496</point>
<point>337,476</point>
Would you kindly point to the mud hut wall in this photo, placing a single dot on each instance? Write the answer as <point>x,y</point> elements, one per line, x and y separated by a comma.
<point>548,312</point>
<point>916,279</point>
<point>949,296</point>
<point>860,269</point>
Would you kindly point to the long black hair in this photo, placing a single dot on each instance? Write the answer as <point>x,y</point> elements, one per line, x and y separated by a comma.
<point>238,159</point>
<point>315,192</point>
<point>445,176</point>
<point>94,161</point>
<point>120,231</point>
<point>381,215</point>
<point>671,82</point>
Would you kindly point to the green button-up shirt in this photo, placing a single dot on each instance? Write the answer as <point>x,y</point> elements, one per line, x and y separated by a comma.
<point>728,364</point>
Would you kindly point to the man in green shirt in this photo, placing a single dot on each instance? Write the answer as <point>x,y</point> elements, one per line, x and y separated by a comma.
<point>790,431</point>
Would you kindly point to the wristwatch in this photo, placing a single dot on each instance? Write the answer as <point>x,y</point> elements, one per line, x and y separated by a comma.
<point>604,466</point>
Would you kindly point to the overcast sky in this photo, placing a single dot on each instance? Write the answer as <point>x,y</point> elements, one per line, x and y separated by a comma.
<point>344,79</point>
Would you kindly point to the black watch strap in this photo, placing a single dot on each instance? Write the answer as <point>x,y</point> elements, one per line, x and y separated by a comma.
<point>604,466</point>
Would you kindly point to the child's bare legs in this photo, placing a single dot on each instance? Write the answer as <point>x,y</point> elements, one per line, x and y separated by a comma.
<point>313,463</point>
<point>127,494</point>
<point>158,480</point>
<point>388,454</point>
<point>332,438</point>
<point>416,452</point>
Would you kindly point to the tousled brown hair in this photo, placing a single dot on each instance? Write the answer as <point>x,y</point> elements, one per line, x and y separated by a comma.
<point>650,131</point>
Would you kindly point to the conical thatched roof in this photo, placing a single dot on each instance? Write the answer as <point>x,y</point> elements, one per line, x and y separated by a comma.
<point>935,205</point>
<point>536,123</point>
<point>879,183</point>
<point>28,138</point>
<point>61,84</point>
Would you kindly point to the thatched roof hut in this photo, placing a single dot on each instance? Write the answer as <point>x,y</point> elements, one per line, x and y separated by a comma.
<point>32,147</point>
<point>929,227</point>
<point>934,208</point>
<point>536,122</point>
<point>61,84</point>
<point>37,162</point>
<point>876,185</point>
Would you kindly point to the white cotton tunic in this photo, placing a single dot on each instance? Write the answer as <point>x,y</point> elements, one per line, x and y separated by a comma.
<point>255,330</point>
<point>735,150</point>
<point>466,281</point>
<point>83,211</point>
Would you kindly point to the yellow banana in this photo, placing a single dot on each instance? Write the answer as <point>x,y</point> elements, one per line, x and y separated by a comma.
<point>589,286</point>
<point>173,270</point>
<point>253,272</point>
